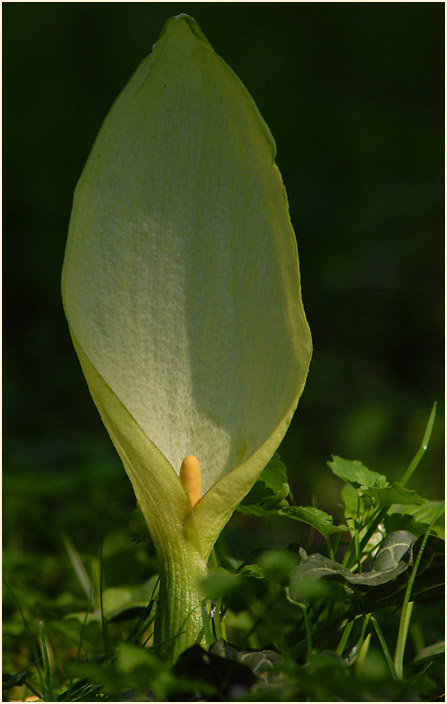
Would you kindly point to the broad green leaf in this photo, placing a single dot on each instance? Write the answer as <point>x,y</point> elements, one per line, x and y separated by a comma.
<point>419,517</point>
<point>321,521</point>
<point>392,551</point>
<point>393,558</point>
<point>269,492</point>
<point>356,473</point>
<point>260,662</point>
<point>181,285</point>
<point>394,494</point>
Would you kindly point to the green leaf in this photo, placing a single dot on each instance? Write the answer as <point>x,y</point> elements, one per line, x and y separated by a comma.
<point>269,492</point>
<point>321,521</point>
<point>307,580</point>
<point>219,583</point>
<point>431,651</point>
<point>394,494</point>
<point>356,473</point>
<point>181,285</point>
<point>416,518</point>
<point>260,662</point>
<point>393,551</point>
<point>275,564</point>
<point>393,558</point>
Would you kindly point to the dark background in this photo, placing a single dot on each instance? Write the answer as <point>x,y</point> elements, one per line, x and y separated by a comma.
<point>353,94</point>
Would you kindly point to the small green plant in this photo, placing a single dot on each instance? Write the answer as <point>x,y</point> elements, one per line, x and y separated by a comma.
<point>348,621</point>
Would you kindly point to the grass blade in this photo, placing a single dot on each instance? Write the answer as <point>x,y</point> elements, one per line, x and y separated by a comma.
<point>101,605</point>
<point>79,569</point>
<point>46,663</point>
<point>405,616</point>
<point>425,440</point>
<point>31,640</point>
<point>386,650</point>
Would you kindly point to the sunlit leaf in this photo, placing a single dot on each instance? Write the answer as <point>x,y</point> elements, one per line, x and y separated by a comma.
<point>315,517</point>
<point>394,494</point>
<point>356,473</point>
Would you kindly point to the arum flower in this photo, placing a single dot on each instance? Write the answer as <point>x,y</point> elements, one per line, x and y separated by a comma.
<point>182,293</point>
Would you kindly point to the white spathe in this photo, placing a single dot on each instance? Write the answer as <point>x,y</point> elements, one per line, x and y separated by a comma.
<point>181,281</point>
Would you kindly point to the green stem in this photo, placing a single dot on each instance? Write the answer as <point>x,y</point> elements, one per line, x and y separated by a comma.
<point>179,621</point>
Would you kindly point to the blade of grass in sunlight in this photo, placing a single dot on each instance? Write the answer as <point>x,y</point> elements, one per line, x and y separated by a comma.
<point>419,454</point>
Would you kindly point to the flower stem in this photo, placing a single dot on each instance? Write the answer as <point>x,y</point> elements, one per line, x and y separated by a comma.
<point>179,621</point>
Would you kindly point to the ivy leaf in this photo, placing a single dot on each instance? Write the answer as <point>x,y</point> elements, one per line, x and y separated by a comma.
<point>393,558</point>
<point>307,580</point>
<point>315,517</point>
<point>260,662</point>
<point>394,554</point>
<point>356,473</point>
<point>269,492</point>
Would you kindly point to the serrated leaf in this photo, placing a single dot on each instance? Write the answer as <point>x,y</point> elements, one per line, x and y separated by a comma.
<point>394,494</point>
<point>315,517</point>
<point>356,473</point>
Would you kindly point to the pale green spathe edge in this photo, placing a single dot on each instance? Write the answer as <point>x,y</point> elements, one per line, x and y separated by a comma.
<point>158,489</point>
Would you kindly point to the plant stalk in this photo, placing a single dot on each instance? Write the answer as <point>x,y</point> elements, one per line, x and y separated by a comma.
<point>179,620</point>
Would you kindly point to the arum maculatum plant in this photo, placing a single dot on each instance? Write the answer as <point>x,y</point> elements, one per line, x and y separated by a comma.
<point>182,292</point>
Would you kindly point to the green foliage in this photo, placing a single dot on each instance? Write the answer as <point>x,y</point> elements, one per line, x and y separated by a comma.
<point>321,521</point>
<point>270,491</point>
<point>356,473</point>
<point>359,622</point>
